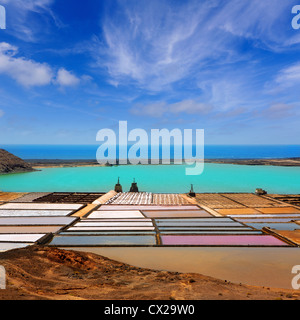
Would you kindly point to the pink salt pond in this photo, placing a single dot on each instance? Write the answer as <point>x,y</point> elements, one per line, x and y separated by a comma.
<point>222,240</point>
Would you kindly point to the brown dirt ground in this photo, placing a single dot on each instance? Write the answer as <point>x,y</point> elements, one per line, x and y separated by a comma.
<point>38,273</point>
<point>10,196</point>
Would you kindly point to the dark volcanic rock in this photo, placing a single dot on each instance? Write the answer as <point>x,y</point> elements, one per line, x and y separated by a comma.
<point>9,163</point>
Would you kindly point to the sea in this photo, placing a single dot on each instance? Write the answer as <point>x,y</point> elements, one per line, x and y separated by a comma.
<point>82,152</point>
<point>156,178</point>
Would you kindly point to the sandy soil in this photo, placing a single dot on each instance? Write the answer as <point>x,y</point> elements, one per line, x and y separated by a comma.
<point>10,196</point>
<point>50,273</point>
<point>290,162</point>
<point>44,163</point>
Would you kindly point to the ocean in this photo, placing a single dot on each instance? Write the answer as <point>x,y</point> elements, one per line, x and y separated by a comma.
<point>82,152</point>
<point>156,178</point>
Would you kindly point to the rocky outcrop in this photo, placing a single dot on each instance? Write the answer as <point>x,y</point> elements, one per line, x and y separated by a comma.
<point>9,163</point>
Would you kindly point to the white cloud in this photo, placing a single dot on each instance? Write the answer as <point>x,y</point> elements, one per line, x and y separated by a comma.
<point>158,109</point>
<point>66,78</point>
<point>278,111</point>
<point>31,5</point>
<point>190,107</point>
<point>289,76</point>
<point>26,72</point>
<point>286,81</point>
<point>30,73</point>
<point>1,113</point>
<point>24,27</point>
<point>154,44</point>
<point>267,21</point>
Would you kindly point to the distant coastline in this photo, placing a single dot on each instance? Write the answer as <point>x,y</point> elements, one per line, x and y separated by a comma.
<point>57,163</point>
<point>88,152</point>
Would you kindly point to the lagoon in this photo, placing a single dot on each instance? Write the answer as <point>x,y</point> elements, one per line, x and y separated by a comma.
<point>157,178</point>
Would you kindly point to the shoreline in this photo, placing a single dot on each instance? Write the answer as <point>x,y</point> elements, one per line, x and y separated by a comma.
<point>61,163</point>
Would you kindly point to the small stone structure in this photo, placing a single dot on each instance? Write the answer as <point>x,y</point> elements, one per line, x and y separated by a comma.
<point>118,187</point>
<point>134,187</point>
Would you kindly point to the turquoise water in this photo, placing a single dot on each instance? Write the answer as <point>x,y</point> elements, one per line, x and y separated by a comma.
<point>157,178</point>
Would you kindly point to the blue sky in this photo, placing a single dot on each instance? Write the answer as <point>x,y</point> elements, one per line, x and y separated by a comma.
<point>70,68</point>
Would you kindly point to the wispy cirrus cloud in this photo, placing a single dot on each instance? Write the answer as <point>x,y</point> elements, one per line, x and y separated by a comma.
<point>154,45</point>
<point>279,111</point>
<point>289,76</point>
<point>20,20</point>
<point>158,109</point>
<point>268,22</point>
<point>286,81</point>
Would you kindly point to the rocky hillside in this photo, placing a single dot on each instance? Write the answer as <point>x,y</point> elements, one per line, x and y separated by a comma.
<point>9,163</point>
